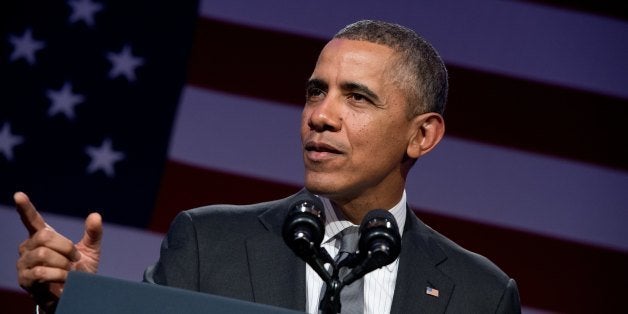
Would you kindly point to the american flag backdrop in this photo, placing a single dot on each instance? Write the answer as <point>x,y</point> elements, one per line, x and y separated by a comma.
<point>141,109</point>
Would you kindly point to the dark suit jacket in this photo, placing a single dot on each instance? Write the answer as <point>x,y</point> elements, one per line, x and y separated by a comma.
<point>238,252</point>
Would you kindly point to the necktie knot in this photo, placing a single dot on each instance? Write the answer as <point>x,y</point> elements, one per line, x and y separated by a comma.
<point>349,240</point>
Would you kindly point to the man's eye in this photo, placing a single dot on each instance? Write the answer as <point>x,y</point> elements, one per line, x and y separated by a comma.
<point>358,97</point>
<point>313,92</point>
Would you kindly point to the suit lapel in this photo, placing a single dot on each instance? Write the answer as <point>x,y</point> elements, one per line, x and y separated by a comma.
<point>277,275</point>
<point>418,271</point>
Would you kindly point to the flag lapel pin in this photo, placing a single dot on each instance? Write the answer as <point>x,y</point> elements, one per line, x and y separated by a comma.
<point>431,291</point>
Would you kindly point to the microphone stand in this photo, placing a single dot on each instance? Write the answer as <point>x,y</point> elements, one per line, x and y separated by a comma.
<point>330,304</point>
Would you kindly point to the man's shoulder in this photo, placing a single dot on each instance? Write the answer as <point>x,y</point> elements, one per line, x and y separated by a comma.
<point>224,217</point>
<point>466,266</point>
<point>480,285</point>
<point>230,211</point>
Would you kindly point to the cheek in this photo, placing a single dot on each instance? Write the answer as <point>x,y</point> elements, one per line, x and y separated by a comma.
<point>368,137</point>
<point>381,138</point>
<point>304,118</point>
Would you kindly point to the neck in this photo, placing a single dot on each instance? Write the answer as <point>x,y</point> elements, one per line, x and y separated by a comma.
<point>355,209</point>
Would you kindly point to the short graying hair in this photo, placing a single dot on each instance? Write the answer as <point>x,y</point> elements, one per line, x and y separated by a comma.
<point>422,70</point>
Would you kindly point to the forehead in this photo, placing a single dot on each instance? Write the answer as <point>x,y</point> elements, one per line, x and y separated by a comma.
<point>349,60</point>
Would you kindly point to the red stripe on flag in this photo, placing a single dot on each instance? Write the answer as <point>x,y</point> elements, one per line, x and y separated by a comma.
<point>252,62</point>
<point>483,107</point>
<point>615,9</point>
<point>14,302</point>
<point>184,187</point>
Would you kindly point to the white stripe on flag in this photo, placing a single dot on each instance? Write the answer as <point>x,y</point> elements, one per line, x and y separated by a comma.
<point>126,251</point>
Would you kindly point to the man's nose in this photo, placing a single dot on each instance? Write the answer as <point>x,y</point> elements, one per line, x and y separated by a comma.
<point>326,115</point>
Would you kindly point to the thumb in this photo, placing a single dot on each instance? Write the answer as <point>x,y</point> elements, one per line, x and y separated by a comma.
<point>93,231</point>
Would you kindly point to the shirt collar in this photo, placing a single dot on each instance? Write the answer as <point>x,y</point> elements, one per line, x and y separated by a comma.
<point>335,221</point>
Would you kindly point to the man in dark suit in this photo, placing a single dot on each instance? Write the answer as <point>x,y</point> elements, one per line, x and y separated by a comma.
<point>374,105</point>
<point>238,252</point>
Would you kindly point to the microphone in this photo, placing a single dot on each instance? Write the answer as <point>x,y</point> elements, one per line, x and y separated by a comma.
<point>379,244</point>
<point>303,232</point>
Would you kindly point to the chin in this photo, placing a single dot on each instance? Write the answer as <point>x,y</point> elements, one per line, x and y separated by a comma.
<point>332,188</point>
<point>317,189</point>
<point>319,185</point>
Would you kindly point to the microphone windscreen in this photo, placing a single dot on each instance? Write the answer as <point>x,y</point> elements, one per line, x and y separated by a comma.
<point>378,215</point>
<point>304,226</point>
<point>379,238</point>
<point>309,198</point>
<point>379,244</point>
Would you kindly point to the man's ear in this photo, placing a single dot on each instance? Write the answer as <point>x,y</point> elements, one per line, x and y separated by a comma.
<point>427,130</point>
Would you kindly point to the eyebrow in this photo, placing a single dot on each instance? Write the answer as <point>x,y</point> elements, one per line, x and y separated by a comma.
<point>356,87</point>
<point>348,86</point>
<point>316,83</point>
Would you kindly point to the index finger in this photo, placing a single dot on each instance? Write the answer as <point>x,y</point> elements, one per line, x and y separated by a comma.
<point>31,219</point>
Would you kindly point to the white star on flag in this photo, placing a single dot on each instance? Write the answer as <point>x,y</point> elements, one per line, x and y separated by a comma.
<point>124,63</point>
<point>8,141</point>
<point>25,47</point>
<point>84,10</point>
<point>63,101</point>
<point>103,158</point>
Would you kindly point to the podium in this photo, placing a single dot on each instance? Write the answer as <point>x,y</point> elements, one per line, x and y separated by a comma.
<point>88,293</point>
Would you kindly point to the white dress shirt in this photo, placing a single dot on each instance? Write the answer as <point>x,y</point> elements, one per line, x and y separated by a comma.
<point>379,285</point>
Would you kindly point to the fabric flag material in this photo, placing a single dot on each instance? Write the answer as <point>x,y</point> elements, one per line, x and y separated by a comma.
<point>532,172</point>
